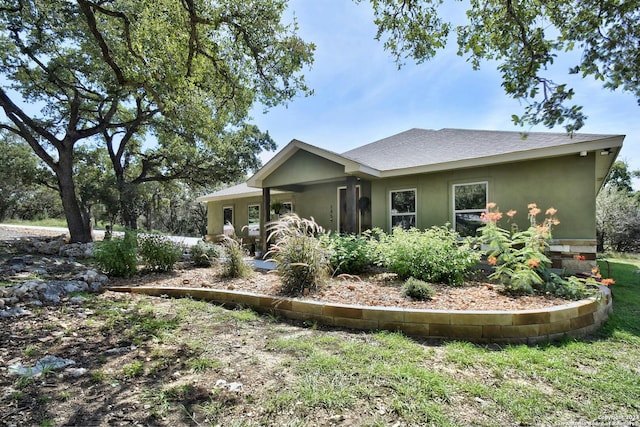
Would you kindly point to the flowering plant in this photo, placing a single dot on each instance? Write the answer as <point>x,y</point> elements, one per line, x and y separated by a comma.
<point>518,257</point>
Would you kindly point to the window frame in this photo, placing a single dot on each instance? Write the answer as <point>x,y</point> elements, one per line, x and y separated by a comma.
<point>226,230</point>
<point>290,203</point>
<point>415,207</point>
<point>467,211</point>
<point>251,226</point>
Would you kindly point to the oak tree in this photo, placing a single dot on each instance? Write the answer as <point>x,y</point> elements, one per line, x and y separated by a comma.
<point>525,38</point>
<point>117,73</point>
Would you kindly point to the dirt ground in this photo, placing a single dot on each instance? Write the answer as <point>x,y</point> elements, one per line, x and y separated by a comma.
<point>142,361</point>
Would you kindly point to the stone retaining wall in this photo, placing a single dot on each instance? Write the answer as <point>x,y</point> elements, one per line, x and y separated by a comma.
<point>574,319</point>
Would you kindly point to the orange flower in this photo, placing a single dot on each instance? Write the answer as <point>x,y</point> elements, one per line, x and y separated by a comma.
<point>533,263</point>
<point>534,211</point>
<point>492,260</point>
<point>595,272</point>
<point>532,206</point>
<point>551,211</point>
<point>511,213</point>
<point>491,205</point>
<point>607,282</point>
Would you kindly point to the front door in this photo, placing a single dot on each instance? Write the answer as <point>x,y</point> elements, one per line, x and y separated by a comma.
<point>342,212</point>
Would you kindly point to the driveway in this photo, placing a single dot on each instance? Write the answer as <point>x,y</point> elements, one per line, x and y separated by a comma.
<point>16,231</point>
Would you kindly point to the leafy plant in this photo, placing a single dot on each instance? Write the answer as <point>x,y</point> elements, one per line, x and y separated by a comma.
<point>205,254</point>
<point>348,253</point>
<point>158,252</point>
<point>301,258</point>
<point>436,255</point>
<point>233,262</point>
<point>118,256</point>
<point>133,369</point>
<point>519,259</point>
<point>418,289</point>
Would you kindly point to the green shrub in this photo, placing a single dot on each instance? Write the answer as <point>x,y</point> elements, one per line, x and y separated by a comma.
<point>418,289</point>
<point>205,254</point>
<point>348,253</point>
<point>436,255</point>
<point>118,256</point>
<point>301,258</point>
<point>233,261</point>
<point>158,253</point>
<point>571,287</point>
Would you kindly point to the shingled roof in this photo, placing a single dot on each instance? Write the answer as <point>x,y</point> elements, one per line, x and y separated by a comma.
<point>426,147</point>
<point>426,150</point>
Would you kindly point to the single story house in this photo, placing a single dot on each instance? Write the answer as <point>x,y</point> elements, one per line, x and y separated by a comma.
<point>422,177</point>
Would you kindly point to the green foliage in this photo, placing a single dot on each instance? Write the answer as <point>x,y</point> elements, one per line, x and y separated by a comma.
<point>301,258</point>
<point>133,369</point>
<point>205,254</point>
<point>524,39</point>
<point>617,220</point>
<point>158,253</point>
<point>418,289</point>
<point>233,262</point>
<point>572,287</point>
<point>118,256</point>
<point>436,255</point>
<point>348,253</point>
<point>189,76</point>
<point>519,259</point>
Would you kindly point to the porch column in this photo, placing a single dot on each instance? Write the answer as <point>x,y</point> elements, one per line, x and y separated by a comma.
<point>352,205</point>
<point>265,217</point>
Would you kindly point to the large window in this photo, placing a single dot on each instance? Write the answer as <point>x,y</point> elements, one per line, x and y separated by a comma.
<point>469,202</point>
<point>403,208</point>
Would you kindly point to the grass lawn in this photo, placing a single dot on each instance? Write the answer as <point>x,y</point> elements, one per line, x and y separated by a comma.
<point>186,354</point>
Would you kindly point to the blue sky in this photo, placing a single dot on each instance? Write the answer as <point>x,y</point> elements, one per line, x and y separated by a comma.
<point>361,96</point>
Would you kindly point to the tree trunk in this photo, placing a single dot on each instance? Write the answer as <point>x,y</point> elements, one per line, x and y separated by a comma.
<point>128,209</point>
<point>79,229</point>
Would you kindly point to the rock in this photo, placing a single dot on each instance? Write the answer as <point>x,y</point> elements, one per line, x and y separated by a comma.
<point>15,311</point>
<point>120,350</point>
<point>233,386</point>
<point>46,363</point>
<point>77,300</point>
<point>75,372</point>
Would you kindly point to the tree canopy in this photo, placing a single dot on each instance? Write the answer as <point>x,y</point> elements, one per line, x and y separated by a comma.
<point>525,38</point>
<point>116,73</point>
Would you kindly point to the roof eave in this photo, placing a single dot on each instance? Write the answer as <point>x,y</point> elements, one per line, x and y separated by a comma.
<point>614,142</point>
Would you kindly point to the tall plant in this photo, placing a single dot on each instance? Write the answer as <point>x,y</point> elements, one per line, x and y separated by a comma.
<point>301,258</point>
<point>518,257</point>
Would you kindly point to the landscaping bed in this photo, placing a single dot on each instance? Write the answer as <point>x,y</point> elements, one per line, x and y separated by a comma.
<point>370,289</point>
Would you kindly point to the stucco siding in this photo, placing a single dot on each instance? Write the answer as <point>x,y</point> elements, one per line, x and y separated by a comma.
<point>303,167</point>
<point>556,182</point>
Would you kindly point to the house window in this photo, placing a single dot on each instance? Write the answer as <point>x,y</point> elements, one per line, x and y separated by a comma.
<point>227,220</point>
<point>469,202</point>
<point>403,208</point>
<point>253,222</point>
